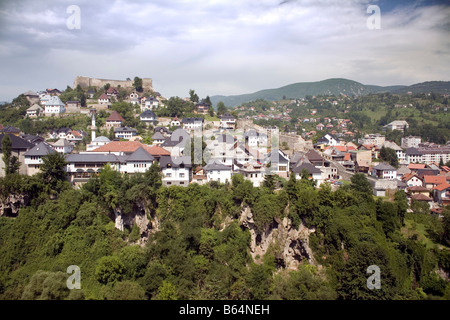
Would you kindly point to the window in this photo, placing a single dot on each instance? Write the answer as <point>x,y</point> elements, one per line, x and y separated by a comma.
<point>168,174</point>
<point>181,175</point>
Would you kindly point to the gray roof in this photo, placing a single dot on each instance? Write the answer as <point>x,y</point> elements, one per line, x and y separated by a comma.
<point>279,158</point>
<point>384,166</point>
<point>126,129</point>
<point>92,157</point>
<point>140,155</point>
<point>41,149</point>
<point>308,166</point>
<point>215,165</point>
<point>158,136</point>
<point>191,120</point>
<point>62,143</point>
<point>101,139</point>
<point>227,116</point>
<point>176,162</point>
<point>148,114</point>
<point>16,142</point>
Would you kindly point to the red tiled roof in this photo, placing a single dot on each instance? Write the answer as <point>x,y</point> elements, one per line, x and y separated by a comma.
<point>130,147</point>
<point>416,166</point>
<point>442,187</point>
<point>434,179</point>
<point>103,96</point>
<point>115,116</point>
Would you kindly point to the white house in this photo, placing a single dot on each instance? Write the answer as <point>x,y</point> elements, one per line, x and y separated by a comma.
<point>148,116</point>
<point>63,146</point>
<point>329,140</point>
<point>158,138</point>
<point>138,162</point>
<point>54,106</point>
<point>384,171</point>
<point>175,170</point>
<point>192,123</point>
<point>124,133</point>
<point>149,103</point>
<point>33,157</point>
<point>252,171</point>
<point>216,171</point>
<point>104,99</point>
<point>279,162</point>
<point>227,122</point>
<point>97,142</point>
<point>175,122</point>
<point>34,111</point>
<point>401,125</point>
<point>254,138</point>
<point>314,173</point>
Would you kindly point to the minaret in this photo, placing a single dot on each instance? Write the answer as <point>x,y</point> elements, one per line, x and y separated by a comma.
<point>93,127</point>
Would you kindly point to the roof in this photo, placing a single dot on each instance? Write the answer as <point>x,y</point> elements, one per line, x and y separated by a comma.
<point>158,136</point>
<point>62,143</point>
<point>442,187</point>
<point>131,146</point>
<point>176,162</point>
<point>418,189</point>
<point>215,165</point>
<point>313,155</point>
<point>41,149</point>
<point>412,151</point>
<point>54,101</point>
<point>140,155</point>
<point>103,96</point>
<point>416,166</point>
<point>434,179</point>
<point>421,197</point>
<point>124,129</point>
<point>115,116</point>
<point>384,166</point>
<point>227,116</point>
<point>192,120</point>
<point>16,142</point>
<point>10,129</point>
<point>410,175</point>
<point>92,157</point>
<point>34,107</point>
<point>308,166</point>
<point>101,139</point>
<point>148,114</point>
<point>282,158</point>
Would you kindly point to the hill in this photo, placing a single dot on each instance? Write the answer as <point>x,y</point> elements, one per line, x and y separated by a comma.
<point>334,86</point>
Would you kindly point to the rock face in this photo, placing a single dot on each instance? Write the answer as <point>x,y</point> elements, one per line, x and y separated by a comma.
<point>147,224</point>
<point>10,206</point>
<point>290,244</point>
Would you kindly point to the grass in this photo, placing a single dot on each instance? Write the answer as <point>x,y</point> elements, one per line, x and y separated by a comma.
<point>414,228</point>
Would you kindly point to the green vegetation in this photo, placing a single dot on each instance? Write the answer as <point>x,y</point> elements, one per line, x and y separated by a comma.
<point>197,248</point>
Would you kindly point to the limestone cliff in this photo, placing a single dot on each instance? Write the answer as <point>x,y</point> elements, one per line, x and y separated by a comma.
<point>10,205</point>
<point>290,244</point>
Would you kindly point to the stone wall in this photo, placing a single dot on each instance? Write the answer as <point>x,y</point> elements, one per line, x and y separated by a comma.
<point>85,82</point>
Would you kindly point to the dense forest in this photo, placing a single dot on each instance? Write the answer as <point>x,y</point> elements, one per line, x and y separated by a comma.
<point>198,249</point>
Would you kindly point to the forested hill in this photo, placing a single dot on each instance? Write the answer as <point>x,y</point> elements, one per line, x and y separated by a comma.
<point>201,241</point>
<point>335,86</point>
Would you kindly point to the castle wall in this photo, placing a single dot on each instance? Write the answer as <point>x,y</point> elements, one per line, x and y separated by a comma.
<point>85,82</point>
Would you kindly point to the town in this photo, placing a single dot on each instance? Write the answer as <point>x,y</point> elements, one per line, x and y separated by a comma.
<point>232,141</point>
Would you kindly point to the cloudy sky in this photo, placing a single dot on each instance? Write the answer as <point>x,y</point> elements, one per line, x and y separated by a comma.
<point>221,46</point>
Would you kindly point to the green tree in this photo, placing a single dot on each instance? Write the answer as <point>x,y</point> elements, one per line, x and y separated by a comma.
<point>137,84</point>
<point>52,168</point>
<point>360,183</point>
<point>221,108</point>
<point>45,285</point>
<point>167,291</point>
<point>110,269</point>
<point>388,155</point>
<point>6,149</point>
<point>193,96</point>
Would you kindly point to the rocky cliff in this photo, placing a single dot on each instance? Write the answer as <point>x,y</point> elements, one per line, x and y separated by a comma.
<point>10,205</point>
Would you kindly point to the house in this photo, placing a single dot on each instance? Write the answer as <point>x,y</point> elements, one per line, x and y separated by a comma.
<point>227,122</point>
<point>54,106</point>
<point>320,127</point>
<point>222,149</point>
<point>412,180</point>
<point>137,162</point>
<point>401,125</point>
<point>175,170</point>
<point>125,148</point>
<point>414,190</point>
<point>73,105</point>
<point>422,198</point>
<point>329,140</point>
<point>19,147</point>
<point>175,122</point>
<point>430,182</point>
<point>202,108</point>
<point>375,139</point>
<point>384,171</point>
<point>279,162</point>
<point>124,133</point>
<point>398,150</point>
<point>199,176</point>
<point>81,167</point>
<point>149,103</point>
<point>112,92</point>
<point>33,157</point>
<point>192,123</point>
<point>313,172</point>
<point>34,140</point>
<point>104,99</point>
<point>63,146</point>
<point>32,96</point>
<point>176,143</point>
<point>148,116</point>
<point>380,186</point>
<point>10,130</point>
<point>216,171</point>
<point>413,155</point>
<point>114,120</point>
<point>441,194</point>
<point>75,136</point>
<point>252,171</point>
<point>158,138</point>
<point>53,92</point>
<point>411,142</point>
<point>255,138</point>
<point>34,111</point>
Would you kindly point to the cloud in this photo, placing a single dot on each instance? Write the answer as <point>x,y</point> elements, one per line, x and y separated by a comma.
<point>221,47</point>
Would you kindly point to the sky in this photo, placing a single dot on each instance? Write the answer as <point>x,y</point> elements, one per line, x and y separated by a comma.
<point>221,47</point>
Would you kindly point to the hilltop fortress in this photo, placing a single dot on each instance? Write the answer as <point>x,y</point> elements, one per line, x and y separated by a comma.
<point>86,82</point>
